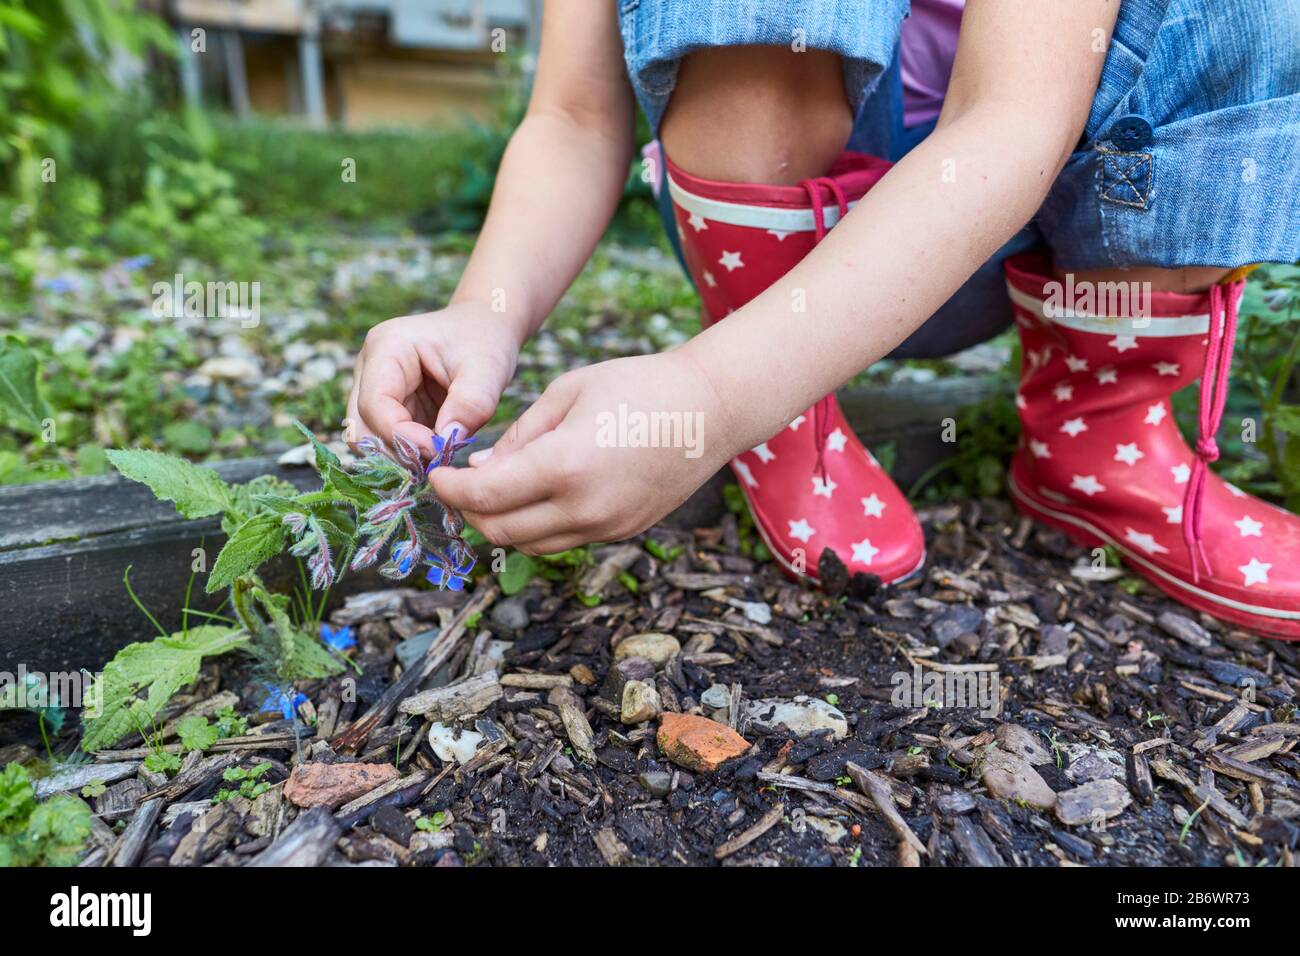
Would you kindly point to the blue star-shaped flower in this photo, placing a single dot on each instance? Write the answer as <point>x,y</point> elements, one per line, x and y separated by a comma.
<point>445,448</point>
<point>337,639</point>
<point>277,698</point>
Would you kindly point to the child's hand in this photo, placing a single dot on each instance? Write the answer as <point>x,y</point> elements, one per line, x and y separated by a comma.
<point>574,468</point>
<point>421,374</point>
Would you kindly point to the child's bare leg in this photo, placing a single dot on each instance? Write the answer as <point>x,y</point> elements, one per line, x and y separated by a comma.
<point>757,114</point>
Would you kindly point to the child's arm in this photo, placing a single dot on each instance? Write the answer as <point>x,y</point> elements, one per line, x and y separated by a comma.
<point>558,185</point>
<point>1021,91</point>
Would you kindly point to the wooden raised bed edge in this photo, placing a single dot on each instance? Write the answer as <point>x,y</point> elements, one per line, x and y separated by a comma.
<point>64,545</point>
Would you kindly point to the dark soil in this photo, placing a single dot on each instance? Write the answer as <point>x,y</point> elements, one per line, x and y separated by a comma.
<point>1193,720</point>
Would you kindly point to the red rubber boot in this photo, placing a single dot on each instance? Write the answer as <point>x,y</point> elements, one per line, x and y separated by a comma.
<point>1101,458</point>
<point>813,485</point>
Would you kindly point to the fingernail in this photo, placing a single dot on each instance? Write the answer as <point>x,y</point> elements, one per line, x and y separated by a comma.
<point>453,427</point>
<point>480,456</point>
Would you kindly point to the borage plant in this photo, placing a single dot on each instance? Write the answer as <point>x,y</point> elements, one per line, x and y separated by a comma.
<point>381,507</point>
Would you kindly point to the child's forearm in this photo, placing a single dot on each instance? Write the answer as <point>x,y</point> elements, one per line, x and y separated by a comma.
<point>894,260</point>
<point>558,185</point>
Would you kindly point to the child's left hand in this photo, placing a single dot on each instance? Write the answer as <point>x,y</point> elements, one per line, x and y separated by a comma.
<point>575,469</point>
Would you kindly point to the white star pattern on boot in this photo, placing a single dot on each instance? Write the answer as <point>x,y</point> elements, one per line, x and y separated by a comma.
<point>1155,414</point>
<point>872,507</point>
<point>1122,343</point>
<point>1088,484</point>
<point>764,453</point>
<point>1237,492</point>
<point>1166,368</point>
<point>1249,527</point>
<point>1039,448</point>
<point>711,282</point>
<point>1173,515</point>
<point>1128,454</point>
<point>779,233</point>
<point>742,469</point>
<point>1181,474</point>
<point>801,529</point>
<point>1107,376</point>
<point>697,222</point>
<point>1144,541</point>
<point>823,487</point>
<point>1074,426</point>
<point>1020,401</point>
<point>731,261</point>
<point>835,440</point>
<point>864,552</point>
<point>1076,364</point>
<point>796,422</point>
<point>1063,393</point>
<point>1256,572</point>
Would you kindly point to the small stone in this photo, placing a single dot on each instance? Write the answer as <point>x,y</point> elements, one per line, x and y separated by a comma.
<point>953,623</point>
<point>657,648</point>
<point>1023,742</point>
<point>334,784</point>
<point>832,830</point>
<point>801,716</point>
<point>717,697</point>
<point>413,649</point>
<point>582,674</point>
<point>231,369</point>
<point>1053,640</point>
<point>656,782</point>
<point>1009,777</point>
<point>628,669</point>
<point>1093,763</point>
<point>698,743</point>
<point>510,614</point>
<point>1185,629</point>
<point>1098,800</point>
<point>394,824</point>
<point>953,803</point>
<point>640,702</point>
<point>450,743</point>
<point>758,612</point>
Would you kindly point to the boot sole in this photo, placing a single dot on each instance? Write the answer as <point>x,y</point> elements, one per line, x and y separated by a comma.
<point>804,576</point>
<point>1268,621</point>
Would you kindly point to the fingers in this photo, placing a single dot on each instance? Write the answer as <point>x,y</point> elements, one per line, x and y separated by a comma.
<point>354,429</point>
<point>381,400</point>
<point>543,416</point>
<point>540,521</point>
<point>554,544</point>
<point>472,397</point>
<point>501,485</point>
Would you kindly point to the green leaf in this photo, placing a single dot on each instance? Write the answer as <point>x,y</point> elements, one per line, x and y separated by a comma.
<point>325,459</point>
<point>196,733</point>
<point>196,491</point>
<point>1287,418</point>
<point>138,682</point>
<point>514,577</point>
<point>20,397</point>
<point>187,435</point>
<point>256,540</point>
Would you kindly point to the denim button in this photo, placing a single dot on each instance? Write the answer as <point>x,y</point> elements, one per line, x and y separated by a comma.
<point>1131,133</point>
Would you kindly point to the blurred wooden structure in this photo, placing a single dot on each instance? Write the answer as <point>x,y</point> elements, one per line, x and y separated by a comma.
<point>359,63</point>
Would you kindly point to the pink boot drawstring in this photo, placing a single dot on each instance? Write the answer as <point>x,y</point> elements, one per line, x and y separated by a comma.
<point>822,413</point>
<point>1213,399</point>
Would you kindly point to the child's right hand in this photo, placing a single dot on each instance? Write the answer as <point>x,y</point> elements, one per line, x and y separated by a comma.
<point>418,375</point>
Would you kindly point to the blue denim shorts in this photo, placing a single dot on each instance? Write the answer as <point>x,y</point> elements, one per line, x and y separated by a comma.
<point>1190,156</point>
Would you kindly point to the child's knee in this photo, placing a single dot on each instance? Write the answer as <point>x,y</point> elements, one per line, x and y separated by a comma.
<point>757,114</point>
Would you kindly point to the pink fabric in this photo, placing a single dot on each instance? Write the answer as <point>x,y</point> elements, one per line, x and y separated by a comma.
<point>927,47</point>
